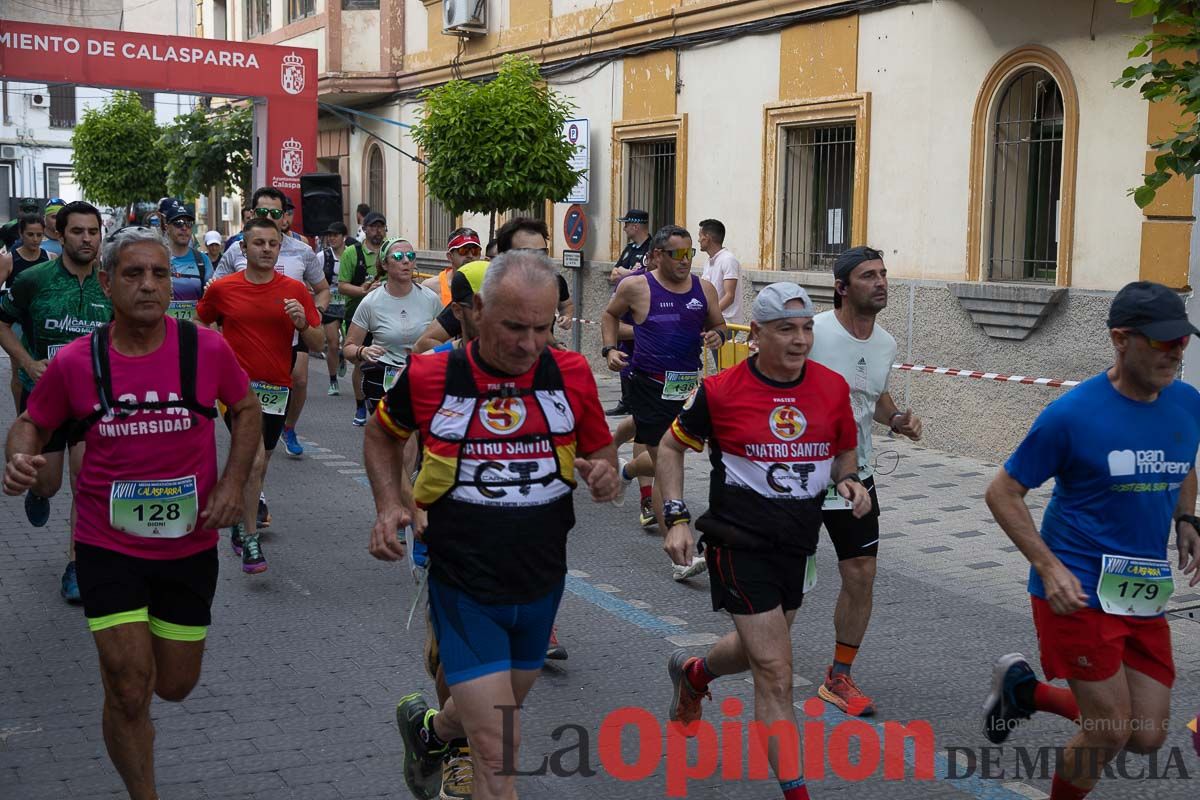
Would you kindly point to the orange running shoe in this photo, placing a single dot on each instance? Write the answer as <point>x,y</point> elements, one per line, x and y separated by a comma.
<point>685,701</point>
<point>843,692</point>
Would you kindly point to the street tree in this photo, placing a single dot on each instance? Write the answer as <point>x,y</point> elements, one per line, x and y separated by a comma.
<point>1168,73</point>
<point>496,145</point>
<point>117,159</point>
<point>208,148</point>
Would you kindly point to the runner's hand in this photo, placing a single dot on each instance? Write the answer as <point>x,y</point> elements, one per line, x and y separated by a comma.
<point>372,353</point>
<point>224,507</point>
<point>678,544</point>
<point>35,369</point>
<point>617,360</point>
<point>565,322</point>
<point>295,313</point>
<point>385,544</point>
<point>420,523</point>
<point>908,424</point>
<point>1187,539</point>
<point>712,340</point>
<point>600,477</point>
<point>1064,592</point>
<point>858,496</point>
<point>20,473</point>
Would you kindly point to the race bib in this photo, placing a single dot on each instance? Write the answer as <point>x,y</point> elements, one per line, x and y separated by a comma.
<point>272,397</point>
<point>182,309</point>
<point>678,385</point>
<point>810,574</point>
<point>390,374</point>
<point>337,303</point>
<point>52,350</point>
<point>1134,587</point>
<point>834,501</point>
<point>154,509</point>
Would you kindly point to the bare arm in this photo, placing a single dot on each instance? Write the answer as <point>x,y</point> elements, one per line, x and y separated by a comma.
<point>224,505</point>
<point>668,473</point>
<point>321,294</point>
<point>350,290</point>
<point>845,466</point>
<point>1006,499</point>
<point>715,333</point>
<point>1187,538</point>
<point>599,470</point>
<point>17,352</point>
<point>383,455</point>
<point>22,451</point>
<point>905,422</point>
<point>6,262</point>
<point>431,337</point>
<point>731,285</point>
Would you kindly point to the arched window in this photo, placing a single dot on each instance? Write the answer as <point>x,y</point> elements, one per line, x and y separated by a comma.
<point>1023,160</point>
<point>375,180</point>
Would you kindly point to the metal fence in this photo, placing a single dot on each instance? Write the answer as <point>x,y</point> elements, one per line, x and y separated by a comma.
<point>438,223</point>
<point>650,180</point>
<point>1026,180</point>
<point>817,202</point>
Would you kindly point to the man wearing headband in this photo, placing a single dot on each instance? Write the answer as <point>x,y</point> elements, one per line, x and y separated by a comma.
<point>52,244</point>
<point>848,341</point>
<point>1121,448</point>
<point>781,433</point>
<point>462,247</point>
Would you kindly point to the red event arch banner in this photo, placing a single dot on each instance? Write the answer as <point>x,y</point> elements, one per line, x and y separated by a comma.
<point>282,79</point>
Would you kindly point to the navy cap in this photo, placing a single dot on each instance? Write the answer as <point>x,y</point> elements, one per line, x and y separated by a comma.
<point>373,218</point>
<point>172,209</point>
<point>1152,310</point>
<point>635,215</point>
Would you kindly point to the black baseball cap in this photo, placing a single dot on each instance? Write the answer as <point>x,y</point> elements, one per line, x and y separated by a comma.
<point>28,204</point>
<point>845,263</point>
<point>635,215</point>
<point>373,218</point>
<point>171,210</point>
<point>1152,310</point>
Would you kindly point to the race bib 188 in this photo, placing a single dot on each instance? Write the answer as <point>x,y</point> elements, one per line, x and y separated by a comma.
<point>678,385</point>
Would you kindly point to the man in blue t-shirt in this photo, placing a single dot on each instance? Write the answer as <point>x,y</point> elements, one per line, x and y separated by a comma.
<point>190,268</point>
<point>1122,449</point>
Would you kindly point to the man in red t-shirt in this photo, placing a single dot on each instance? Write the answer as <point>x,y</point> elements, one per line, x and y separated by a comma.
<point>259,310</point>
<point>782,434</point>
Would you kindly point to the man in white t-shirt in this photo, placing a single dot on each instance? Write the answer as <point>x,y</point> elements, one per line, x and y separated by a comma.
<point>848,341</point>
<point>723,270</point>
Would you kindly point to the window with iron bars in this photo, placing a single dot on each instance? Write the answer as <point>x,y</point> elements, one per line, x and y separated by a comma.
<point>816,200</point>
<point>258,17</point>
<point>299,9</point>
<point>650,180</point>
<point>438,223</point>
<point>1026,176</point>
<point>375,180</point>
<point>62,106</point>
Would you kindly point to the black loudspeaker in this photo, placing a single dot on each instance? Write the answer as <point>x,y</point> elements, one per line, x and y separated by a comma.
<point>320,201</point>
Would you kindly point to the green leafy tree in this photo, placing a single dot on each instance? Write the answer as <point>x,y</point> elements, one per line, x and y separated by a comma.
<point>117,159</point>
<point>1168,75</point>
<point>498,145</point>
<point>206,148</point>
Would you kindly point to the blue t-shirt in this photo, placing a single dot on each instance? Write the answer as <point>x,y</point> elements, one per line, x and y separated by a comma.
<point>1117,465</point>
<point>52,246</point>
<point>186,281</point>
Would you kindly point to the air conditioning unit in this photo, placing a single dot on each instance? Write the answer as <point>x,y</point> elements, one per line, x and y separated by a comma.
<point>464,17</point>
<point>39,100</point>
<point>8,152</point>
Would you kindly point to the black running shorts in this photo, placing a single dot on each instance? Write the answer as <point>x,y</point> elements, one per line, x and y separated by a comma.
<point>750,582</point>
<point>852,537</point>
<point>652,415</point>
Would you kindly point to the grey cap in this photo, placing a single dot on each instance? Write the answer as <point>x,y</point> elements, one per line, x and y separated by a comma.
<point>771,303</point>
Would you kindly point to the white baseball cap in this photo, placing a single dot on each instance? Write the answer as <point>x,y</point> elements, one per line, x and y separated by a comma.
<point>212,237</point>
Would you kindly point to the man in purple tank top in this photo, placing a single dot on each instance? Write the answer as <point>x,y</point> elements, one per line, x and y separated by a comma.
<point>674,315</point>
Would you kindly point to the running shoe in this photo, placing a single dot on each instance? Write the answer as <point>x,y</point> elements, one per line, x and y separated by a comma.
<point>235,539</point>
<point>458,773</point>
<point>554,650</point>
<point>619,410</point>
<point>37,509</point>
<point>843,692</point>
<point>682,573</point>
<point>647,517</point>
<point>422,767</point>
<point>685,701</point>
<point>253,560</point>
<point>341,366</point>
<point>263,517</point>
<point>1001,711</point>
<point>291,443</point>
<point>360,416</point>
<point>334,389</point>
<point>619,500</point>
<point>70,584</point>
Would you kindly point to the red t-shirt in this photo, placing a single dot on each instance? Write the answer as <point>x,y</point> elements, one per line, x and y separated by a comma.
<point>164,445</point>
<point>253,320</point>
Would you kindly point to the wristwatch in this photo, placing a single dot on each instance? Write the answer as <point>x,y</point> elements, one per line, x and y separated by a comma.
<point>1191,519</point>
<point>675,512</point>
<point>608,348</point>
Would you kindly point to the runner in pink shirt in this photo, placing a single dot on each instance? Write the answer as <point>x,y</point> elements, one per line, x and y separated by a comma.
<point>141,393</point>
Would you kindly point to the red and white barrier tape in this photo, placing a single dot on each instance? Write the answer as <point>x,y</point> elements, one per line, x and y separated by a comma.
<point>987,376</point>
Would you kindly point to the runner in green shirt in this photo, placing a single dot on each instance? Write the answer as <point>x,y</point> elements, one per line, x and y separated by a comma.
<point>357,275</point>
<point>55,303</point>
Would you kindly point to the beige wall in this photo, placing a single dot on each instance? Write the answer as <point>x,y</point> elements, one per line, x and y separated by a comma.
<point>725,180</point>
<point>360,41</point>
<point>416,33</point>
<point>921,120</point>
<point>315,40</point>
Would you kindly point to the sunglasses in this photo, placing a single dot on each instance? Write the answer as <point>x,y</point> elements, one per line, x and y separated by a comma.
<point>470,250</point>
<point>411,255</point>
<point>273,213</point>
<point>181,224</point>
<point>1166,345</point>
<point>681,253</point>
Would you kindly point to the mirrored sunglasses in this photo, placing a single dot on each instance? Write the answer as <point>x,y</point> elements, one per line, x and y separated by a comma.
<point>273,213</point>
<point>411,255</point>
